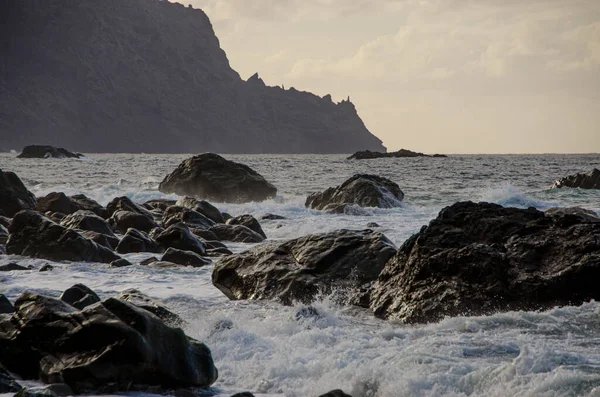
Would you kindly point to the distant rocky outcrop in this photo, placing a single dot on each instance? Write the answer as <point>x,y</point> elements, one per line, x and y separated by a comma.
<point>367,154</point>
<point>44,152</point>
<point>582,181</point>
<point>149,76</point>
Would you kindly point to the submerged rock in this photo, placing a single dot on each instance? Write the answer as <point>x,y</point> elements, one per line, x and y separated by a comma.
<point>300,269</point>
<point>582,181</point>
<point>481,258</point>
<point>210,176</point>
<point>46,151</point>
<point>14,196</point>
<point>362,190</point>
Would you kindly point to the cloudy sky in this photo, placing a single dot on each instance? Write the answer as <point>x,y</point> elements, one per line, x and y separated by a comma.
<point>449,76</point>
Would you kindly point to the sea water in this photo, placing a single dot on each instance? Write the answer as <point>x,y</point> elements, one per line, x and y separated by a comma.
<point>269,352</point>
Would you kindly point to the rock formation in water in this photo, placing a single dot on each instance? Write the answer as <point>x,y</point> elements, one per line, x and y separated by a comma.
<point>149,76</point>
<point>368,154</point>
<point>583,181</point>
<point>44,152</point>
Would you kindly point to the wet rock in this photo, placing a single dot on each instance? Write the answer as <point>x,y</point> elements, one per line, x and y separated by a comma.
<point>123,203</point>
<point>179,236</point>
<point>335,393</point>
<point>14,196</point>
<point>347,209</point>
<point>46,268</point>
<point>79,296</point>
<point>373,224</point>
<point>203,207</point>
<point>211,177</point>
<point>185,258</point>
<point>476,259</point>
<point>52,390</point>
<point>249,221</point>
<point>2,250</point>
<point>56,202</point>
<point>148,261</point>
<point>5,221</point>
<point>193,219</point>
<point>582,181</point>
<point>5,305</point>
<point>143,301</point>
<point>300,269</point>
<point>159,204</point>
<point>367,155</point>
<point>307,312</point>
<point>226,216</point>
<point>581,213</point>
<point>272,217</point>
<point>108,241</point>
<point>124,220</point>
<point>88,221</point>
<point>120,263</point>
<point>137,241</point>
<point>87,204</point>
<point>236,233</point>
<point>8,384</point>
<point>106,347</point>
<point>31,234</point>
<point>46,151</point>
<point>362,190</point>
<point>243,394</point>
<point>12,266</point>
<point>56,217</point>
<point>3,235</point>
<point>213,252</point>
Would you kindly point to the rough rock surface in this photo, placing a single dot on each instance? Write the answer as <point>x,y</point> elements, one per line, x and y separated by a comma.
<point>137,241</point>
<point>88,221</point>
<point>86,203</point>
<point>582,181</point>
<point>203,207</point>
<point>109,346</point>
<point>3,235</point>
<point>124,220</point>
<point>179,236</point>
<point>193,219</point>
<point>481,258</point>
<point>159,309</point>
<point>185,258</point>
<point>31,234</point>
<point>5,305</point>
<point>236,233</point>
<point>249,221</point>
<point>79,296</point>
<point>124,203</point>
<point>300,269</point>
<point>56,202</point>
<point>8,384</point>
<point>362,190</point>
<point>210,176</point>
<point>14,196</point>
<point>45,151</point>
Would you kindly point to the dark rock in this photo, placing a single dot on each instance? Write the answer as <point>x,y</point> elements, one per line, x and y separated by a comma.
<point>362,190</point>
<point>3,235</point>
<point>179,236</point>
<point>5,305</point>
<point>79,296</point>
<point>33,235</point>
<point>46,268</point>
<point>137,241</point>
<point>299,269</point>
<point>236,233</point>
<point>203,207</point>
<point>108,241</point>
<point>272,217</point>
<point>124,220</point>
<point>12,266</point>
<point>185,258</point>
<point>52,390</point>
<point>210,176</point>
<point>148,261</point>
<point>176,214</point>
<point>213,252</point>
<point>204,234</point>
<point>226,216</point>
<point>155,232</point>
<point>14,196</point>
<point>582,213</point>
<point>123,203</point>
<point>335,393</point>
<point>44,152</point>
<point>373,224</point>
<point>367,154</point>
<point>143,301</point>
<point>56,202</point>
<point>249,221</point>
<point>87,204</point>
<point>2,250</point>
<point>307,312</point>
<point>582,181</point>
<point>88,221</point>
<point>347,209</point>
<point>109,346</point>
<point>243,394</point>
<point>8,384</point>
<point>482,258</point>
<point>164,265</point>
<point>159,204</point>
<point>5,221</point>
<point>120,263</point>
<point>56,217</point>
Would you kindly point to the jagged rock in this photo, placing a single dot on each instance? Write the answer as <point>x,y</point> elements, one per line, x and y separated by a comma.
<point>108,241</point>
<point>79,296</point>
<point>56,202</point>
<point>14,196</point>
<point>124,203</point>
<point>137,241</point>
<point>5,221</point>
<point>193,219</point>
<point>159,204</point>
<point>336,393</point>
<point>46,268</point>
<point>203,207</point>
<point>31,234</point>
<point>5,305</point>
<point>11,267</point>
<point>249,221</point>
<point>3,235</point>
<point>106,347</point>
<point>185,258</point>
<point>56,217</point>
<point>236,233</point>
<point>367,154</point>
<point>88,221</point>
<point>210,176</point>
<point>204,234</point>
<point>582,181</point>
<point>86,203</point>
<point>272,217</point>
<point>214,252</point>
<point>124,220</point>
<point>481,258</point>
<point>120,263</point>
<point>143,301</point>
<point>585,214</point>
<point>44,152</point>
<point>8,384</point>
<point>299,269</point>
<point>179,236</point>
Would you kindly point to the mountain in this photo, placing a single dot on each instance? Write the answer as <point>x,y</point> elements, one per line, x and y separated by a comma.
<point>149,76</point>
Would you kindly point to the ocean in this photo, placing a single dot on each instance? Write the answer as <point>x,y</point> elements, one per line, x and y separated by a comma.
<point>269,352</point>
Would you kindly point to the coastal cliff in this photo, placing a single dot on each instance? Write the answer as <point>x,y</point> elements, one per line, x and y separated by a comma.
<point>149,76</point>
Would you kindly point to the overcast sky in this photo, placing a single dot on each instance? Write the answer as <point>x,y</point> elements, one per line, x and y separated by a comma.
<point>448,76</point>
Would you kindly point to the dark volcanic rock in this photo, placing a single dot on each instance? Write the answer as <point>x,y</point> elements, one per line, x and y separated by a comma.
<point>79,296</point>
<point>236,233</point>
<point>88,204</point>
<point>362,190</point>
<point>249,221</point>
<point>45,151</point>
<point>137,241</point>
<point>480,258</point>
<point>582,181</point>
<point>143,301</point>
<point>88,221</point>
<point>179,236</point>
<point>367,154</point>
<point>5,305</point>
<point>14,196</point>
<point>210,176</point>
<point>185,258</point>
<point>298,270</point>
<point>124,220</point>
<point>31,234</point>
<point>56,202</point>
<point>8,384</point>
<point>203,207</point>
<point>176,214</point>
<point>109,346</point>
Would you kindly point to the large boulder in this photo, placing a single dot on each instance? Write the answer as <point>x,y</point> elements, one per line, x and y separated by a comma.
<point>124,220</point>
<point>88,221</point>
<point>300,269</point>
<point>236,233</point>
<point>143,301</point>
<point>56,202</point>
<point>124,203</point>
<point>362,190</point>
<point>109,241</point>
<point>203,207</point>
<point>249,221</point>
<point>32,234</point>
<point>481,258</point>
<point>185,258</point>
<point>46,151</point>
<point>106,347</point>
<point>79,296</point>
<point>180,237</point>
<point>210,176</point>
<point>5,305</point>
<point>137,241</point>
<point>583,181</point>
<point>14,196</point>
<point>86,203</point>
<point>176,214</point>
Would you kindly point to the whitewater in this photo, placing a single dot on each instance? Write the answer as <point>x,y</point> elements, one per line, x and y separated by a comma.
<point>264,348</point>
